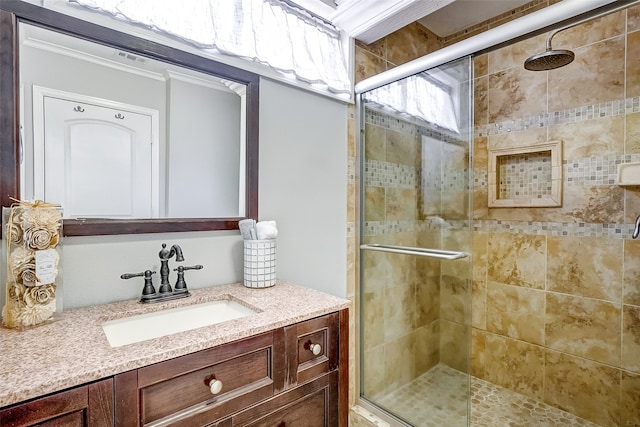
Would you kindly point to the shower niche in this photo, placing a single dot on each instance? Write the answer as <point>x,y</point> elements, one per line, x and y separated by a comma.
<point>528,176</point>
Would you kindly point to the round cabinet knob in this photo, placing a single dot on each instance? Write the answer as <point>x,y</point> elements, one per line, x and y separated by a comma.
<point>316,349</point>
<point>215,386</point>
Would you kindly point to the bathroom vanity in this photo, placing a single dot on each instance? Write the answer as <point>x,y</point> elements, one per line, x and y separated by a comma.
<point>285,365</point>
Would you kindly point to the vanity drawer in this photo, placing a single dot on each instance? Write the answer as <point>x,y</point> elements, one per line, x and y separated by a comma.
<point>177,392</point>
<point>312,348</point>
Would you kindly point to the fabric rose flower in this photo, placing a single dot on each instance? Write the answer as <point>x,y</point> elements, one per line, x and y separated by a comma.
<point>39,295</point>
<point>40,227</point>
<point>38,239</point>
<point>22,263</point>
<point>14,233</point>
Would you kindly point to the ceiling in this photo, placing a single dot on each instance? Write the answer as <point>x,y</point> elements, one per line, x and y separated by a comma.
<point>370,20</point>
<point>465,13</point>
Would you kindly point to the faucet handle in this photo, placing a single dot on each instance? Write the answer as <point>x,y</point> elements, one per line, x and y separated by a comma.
<point>148,282</point>
<point>181,285</point>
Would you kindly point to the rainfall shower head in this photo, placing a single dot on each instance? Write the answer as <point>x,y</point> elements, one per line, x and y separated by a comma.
<point>556,58</point>
<point>548,60</point>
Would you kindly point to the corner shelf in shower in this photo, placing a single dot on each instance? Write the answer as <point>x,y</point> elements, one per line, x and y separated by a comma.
<point>525,176</point>
<point>629,174</point>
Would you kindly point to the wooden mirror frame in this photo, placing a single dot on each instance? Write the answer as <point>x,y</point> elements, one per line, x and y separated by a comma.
<point>13,12</point>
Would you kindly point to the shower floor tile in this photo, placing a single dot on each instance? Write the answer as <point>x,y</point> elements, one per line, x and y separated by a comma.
<point>439,398</point>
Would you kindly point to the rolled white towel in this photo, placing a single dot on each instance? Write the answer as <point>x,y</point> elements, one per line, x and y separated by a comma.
<point>266,230</point>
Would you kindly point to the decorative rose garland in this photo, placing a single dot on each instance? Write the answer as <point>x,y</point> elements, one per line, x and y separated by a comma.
<point>30,228</point>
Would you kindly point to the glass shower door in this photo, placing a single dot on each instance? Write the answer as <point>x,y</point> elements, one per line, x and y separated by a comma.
<point>415,268</point>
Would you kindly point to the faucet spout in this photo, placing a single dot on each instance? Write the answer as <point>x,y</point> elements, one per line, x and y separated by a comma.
<point>178,251</point>
<point>165,253</point>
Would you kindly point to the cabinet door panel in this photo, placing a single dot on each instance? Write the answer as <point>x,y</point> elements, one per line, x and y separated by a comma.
<point>89,405</point>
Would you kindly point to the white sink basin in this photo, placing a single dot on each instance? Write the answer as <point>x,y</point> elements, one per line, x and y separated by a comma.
<point>143,327</point>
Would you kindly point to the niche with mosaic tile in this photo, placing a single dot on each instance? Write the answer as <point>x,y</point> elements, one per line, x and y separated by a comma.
<point>527,176</point>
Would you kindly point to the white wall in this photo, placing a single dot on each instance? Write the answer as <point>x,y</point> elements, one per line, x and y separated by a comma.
<point>303,182</point>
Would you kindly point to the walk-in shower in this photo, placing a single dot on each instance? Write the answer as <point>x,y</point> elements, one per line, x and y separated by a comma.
<point>467,314</point>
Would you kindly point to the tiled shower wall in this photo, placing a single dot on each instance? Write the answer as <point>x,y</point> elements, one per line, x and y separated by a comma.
<point>556,291</point>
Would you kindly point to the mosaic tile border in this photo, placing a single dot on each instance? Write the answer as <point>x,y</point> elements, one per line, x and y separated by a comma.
<point>390,175</point>
<point>574,229</point>
<point>570,115</point>
<point>376,228</point>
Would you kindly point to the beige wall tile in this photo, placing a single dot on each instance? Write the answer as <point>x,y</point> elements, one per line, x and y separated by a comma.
<point>352,149</point>
<point>631,273</point>
<point>402,149</point>
<point>377,271</point>
<point>479,304</point>
<point>479,255</point>
<point>478,353</point>
<point>596,75</point>
<point>374,204</point>
<point>373,319</point>
<point>516,312</point>
<point>630,399</point>
<point>515,54</point>
<point>378,48</point>
<point>592,31</point>
<point>399,311</point>
<point>351,269</point>
<point>585,388</point>
<point>583,327</point>
<point>517,139</point>
<point>515,365</point>
<point>375,142</point>
<point>585,266</point>
<point>455,340</point>
<point>602,204</point>
<point>631,338</point>
<point>367,65</point>
<point>480,101</point>
<point>515,93</point>
<point>480,153</point>
<point>427,347</point>
<point>455,299</point>
<point>516,259</point>
<point>480,65</point>
<point>401,204</point>
<point>633,18</point>
<point>351,200</point>
<point>374,369</point>
<point>427,300</point>
<point>591,138</point>
<point>399,362</point>
<point>410,42</point>
<point>632,133</point>
<point>480,203</point>
<point>633,64</point>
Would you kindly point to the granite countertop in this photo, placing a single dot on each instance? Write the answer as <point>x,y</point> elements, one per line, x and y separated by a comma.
<point>73,349</point>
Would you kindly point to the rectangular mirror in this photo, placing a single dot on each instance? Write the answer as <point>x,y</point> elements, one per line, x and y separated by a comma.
<point>128,135</point>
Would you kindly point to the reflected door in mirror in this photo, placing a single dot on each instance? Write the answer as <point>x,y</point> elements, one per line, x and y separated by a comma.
<point>97,161</point>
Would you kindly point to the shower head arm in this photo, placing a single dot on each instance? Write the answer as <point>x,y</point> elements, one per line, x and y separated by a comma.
<point>588,18</point>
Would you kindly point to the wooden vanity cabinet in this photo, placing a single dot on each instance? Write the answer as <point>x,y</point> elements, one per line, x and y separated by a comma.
<point>291,376</point>
<point>87,405</point>
<point>295,376</point>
